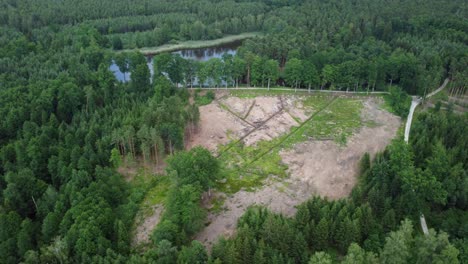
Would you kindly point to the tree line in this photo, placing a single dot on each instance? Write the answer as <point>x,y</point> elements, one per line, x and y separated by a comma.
<point>399,69</point>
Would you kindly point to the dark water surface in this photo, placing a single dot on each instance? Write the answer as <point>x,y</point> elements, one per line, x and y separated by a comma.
<point>202,54</point>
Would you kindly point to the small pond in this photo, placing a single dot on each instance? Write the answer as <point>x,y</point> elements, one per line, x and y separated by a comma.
<point>202,54</point>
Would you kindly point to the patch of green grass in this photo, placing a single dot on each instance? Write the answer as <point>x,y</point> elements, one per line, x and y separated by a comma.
<point>315,102</point>
<point>341,139</point>
<point>338,121</point>
<point>205,99</point>
<point>386,106</point>
<point>152,189</point>
<point>243,171</point>
<point>158,193</point>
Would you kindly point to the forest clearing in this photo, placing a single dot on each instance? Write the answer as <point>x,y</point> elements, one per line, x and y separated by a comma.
<point>282,149</point>
<point>233,132</point>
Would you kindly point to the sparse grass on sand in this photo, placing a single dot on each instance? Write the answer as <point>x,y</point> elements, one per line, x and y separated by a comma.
<point>156,186</point>
<point>337,121</point>
<point>245,167</point>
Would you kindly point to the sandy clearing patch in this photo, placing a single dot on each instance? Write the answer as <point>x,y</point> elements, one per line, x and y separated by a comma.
<point>215,122</point>
<point>274,195</point>
<point>263,108</point>
<point>276,126</point>
<point>215,126</point>
<point>316,168</point>
<point>238,105</point>
<point>331,170</point>
<point>294,107</point>
<point>144,230</point>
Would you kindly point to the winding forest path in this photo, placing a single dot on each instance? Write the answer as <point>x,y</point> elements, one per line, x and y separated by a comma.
<point>414,103</point>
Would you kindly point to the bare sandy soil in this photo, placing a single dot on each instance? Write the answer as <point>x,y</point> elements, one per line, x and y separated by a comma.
<point>264,107</point>
<point>144,229</point>
<point>329,170</point>
<point>279,124</point>
<point>240,106</point>
<point>217,126</point>
<point>295,108</point>
<point>315,167</point>
<point>263,118</point>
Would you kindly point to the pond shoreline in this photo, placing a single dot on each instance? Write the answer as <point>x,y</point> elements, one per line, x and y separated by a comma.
<point>194,44</point>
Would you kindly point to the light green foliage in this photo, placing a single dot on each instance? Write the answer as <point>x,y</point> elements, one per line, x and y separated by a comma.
<point>214,70</point>
<point>403,247</point>
<point>204,99</point>
<point>238,68</point>
<point>328,75</point>
<point>258,71</point>
<point>293,72</point>
<point>271,71</point>
<point>157,193</point>
<point>357,255</point>
<point>165,252</point>
<point>115,158</point>
<point>195,253</point>
<point>311,77</point>
<point>435,248</point>
<point>320,257</point>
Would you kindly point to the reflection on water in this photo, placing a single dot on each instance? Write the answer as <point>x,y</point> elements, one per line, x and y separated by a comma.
<point>123,77</point>
<point>202,54</point>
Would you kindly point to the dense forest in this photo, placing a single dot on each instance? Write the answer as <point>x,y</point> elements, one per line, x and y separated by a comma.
<point>67,124</point>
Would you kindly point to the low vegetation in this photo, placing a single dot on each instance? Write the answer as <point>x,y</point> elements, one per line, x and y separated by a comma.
<point>205,99</point>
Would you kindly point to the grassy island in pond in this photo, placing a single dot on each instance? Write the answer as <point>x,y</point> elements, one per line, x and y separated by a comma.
<point>196,44</point>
